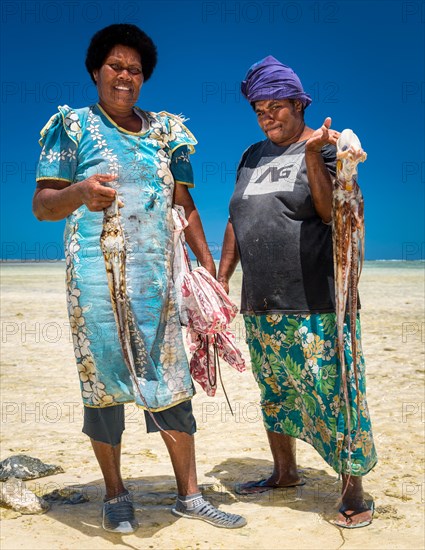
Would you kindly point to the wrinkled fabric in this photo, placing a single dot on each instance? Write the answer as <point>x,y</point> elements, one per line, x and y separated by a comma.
<point>205,349</point>
<point>181,259</point>
<point>271,79</point>
<point>209,308</point>
<point>210,313</point>
<point>297,369</point>
<point>207,311</point>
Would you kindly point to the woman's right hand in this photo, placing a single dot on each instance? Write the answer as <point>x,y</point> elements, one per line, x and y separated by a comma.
<point>224,283</point>
<point>56,199</point>
<point>95,194</point>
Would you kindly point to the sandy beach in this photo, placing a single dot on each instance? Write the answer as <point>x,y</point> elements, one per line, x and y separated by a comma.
<point>41,416</point>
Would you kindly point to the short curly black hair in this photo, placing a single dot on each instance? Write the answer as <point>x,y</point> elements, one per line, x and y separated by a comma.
<point>126,35</point>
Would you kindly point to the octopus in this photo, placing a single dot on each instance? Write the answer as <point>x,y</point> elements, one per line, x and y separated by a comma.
<point>113,246</point>
<point>348,251</point>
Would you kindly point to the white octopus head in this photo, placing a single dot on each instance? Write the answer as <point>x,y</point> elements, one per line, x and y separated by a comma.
<point>349,153</point>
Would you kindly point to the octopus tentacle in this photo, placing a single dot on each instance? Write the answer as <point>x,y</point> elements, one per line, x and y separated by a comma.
<point>348,250</point>
<point>113,246</point>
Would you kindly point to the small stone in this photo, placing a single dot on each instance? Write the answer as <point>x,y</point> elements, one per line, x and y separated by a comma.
<point>66,496</point>
<point>14,495</point>
<point>26,467</point>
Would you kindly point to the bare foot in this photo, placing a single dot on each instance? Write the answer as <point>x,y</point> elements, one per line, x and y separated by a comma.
<point>355,511</point>
<point>254,487</point>
<point>352,519</point>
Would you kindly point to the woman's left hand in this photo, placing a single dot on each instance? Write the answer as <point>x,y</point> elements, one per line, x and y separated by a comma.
<point>319,138</point>
<point>209,265</point>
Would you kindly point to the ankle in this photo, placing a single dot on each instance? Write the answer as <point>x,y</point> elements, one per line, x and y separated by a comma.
<point>184,498</point>
<point>285,474</point>
<point>114,494</point>
<point>354,502</point>
<point>191,501</point>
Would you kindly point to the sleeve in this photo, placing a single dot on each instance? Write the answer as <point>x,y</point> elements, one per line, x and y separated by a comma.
<point>181,167</point>
<point>178,134</point>
<point>59,141</point>
<point>329,156</point>
<point>242,162</point>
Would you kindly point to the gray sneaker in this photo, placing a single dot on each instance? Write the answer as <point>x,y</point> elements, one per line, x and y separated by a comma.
<point>205,511</point>
<point>118,515</point>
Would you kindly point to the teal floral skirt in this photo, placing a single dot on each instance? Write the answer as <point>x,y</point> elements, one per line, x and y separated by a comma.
<point>295,364</point>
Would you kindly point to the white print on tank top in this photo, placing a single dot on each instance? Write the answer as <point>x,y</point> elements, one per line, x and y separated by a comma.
<point>271,176</point>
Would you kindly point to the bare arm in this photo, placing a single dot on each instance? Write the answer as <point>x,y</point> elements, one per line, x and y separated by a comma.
<point>318,175</point>
<point>55,199</point>
<point>194,233</point>
<point>229,257</point>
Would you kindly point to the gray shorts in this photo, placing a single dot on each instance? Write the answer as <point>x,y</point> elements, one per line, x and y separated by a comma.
<point>107,424</point>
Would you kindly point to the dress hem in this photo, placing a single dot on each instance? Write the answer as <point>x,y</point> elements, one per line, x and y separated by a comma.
<point>341,471</point>
<point>151,409</point>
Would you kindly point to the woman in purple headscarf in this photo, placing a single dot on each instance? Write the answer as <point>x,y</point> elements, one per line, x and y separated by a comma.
<point>280,230</point>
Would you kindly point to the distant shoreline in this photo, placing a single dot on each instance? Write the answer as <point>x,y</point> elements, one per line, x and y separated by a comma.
<point>31,262</point>
<point>367,263</point>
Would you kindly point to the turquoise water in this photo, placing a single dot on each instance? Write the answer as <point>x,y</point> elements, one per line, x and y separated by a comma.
<point>369,264</point>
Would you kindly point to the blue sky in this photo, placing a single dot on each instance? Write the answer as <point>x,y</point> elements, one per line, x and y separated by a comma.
<point>361,61</point>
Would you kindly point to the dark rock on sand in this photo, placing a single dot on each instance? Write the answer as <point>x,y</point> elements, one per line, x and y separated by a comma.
<point>66,496</point>
<point>26,467</point>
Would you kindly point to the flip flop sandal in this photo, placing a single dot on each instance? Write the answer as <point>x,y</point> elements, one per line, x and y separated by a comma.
<point>349,517</point>
<point>261,487</point>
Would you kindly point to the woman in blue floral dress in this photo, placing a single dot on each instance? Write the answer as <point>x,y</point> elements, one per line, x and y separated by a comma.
<point>90,157</point>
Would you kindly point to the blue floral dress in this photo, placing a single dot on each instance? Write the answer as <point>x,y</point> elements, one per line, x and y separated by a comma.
<point>77,144</point>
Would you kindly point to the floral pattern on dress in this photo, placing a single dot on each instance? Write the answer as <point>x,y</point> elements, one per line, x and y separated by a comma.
<point>101,143</point>
<point>297,370</point>
<point>92,389</point>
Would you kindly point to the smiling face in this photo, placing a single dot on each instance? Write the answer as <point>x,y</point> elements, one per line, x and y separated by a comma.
<point>280,119</point>
<point>119,79</point>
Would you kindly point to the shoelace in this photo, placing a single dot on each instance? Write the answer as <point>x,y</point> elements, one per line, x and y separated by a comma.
<point>119,510</point>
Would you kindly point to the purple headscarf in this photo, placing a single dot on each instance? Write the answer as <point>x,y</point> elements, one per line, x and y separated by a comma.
<point>271,79</point>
